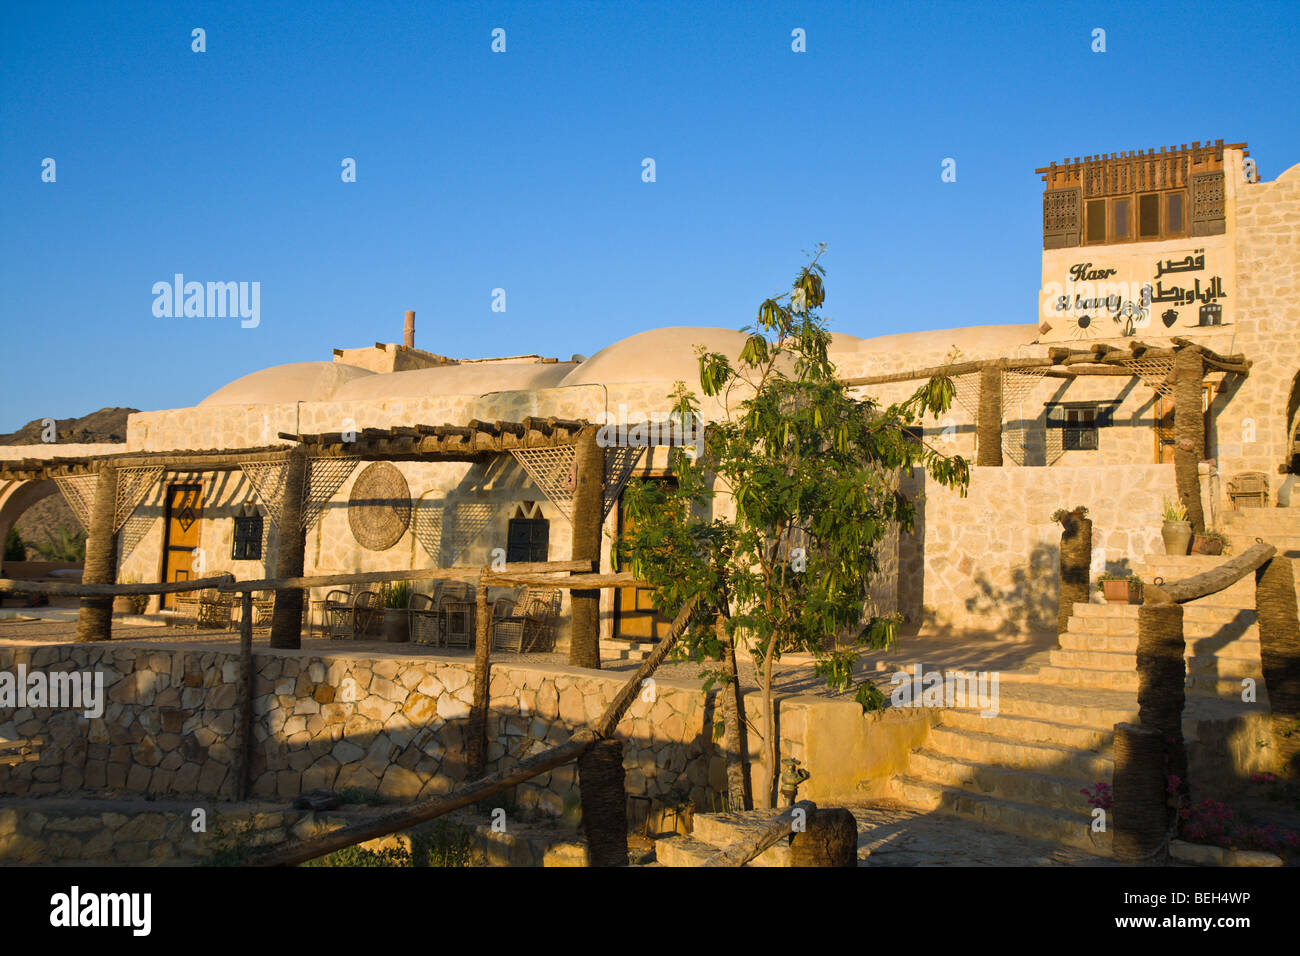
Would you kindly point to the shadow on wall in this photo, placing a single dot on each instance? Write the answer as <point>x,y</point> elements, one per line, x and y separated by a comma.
<point>1028,603</point>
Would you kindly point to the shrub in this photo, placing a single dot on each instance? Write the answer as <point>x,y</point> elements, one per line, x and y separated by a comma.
<point>15,550</point>
<point>65,545</point>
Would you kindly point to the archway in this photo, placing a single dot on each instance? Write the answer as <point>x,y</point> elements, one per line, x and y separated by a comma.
<point>1291,452</point>
<point>17,496</point>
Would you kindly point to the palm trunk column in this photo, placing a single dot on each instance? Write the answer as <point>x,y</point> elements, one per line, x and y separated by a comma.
<point>1189,431</point>
<point>588,514</point>
<point>95,620</point>
<point>286,620</point>
<point>988,423</point>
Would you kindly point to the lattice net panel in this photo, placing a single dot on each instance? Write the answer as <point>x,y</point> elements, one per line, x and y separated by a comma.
<point>1153,372</point>
<point>469,518</point>
<point>134,530</point>
<point>79,492</point>
<point>968,393</point>
<point>619,462</point>
<point>325,476</point>
<point>1018,434</point>
<point>552,470</point>
<point>267,479</point>
<point>132,485</point>
<point>426,524</point>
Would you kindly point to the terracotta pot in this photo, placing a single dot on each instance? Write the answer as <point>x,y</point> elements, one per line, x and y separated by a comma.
<point>123,605</point>
<point>396,629</point>
<point>1204,544</point>
<point>1177,536</point>
<point>1121,591</point>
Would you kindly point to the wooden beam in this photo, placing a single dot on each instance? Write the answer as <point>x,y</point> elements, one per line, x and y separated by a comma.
<point>768,835</point>
<point>959,368</point>
<point>73,589</point>
<point>411,574</point>
<point>1216,579</point>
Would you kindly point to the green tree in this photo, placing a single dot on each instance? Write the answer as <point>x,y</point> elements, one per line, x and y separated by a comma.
<point>64,544</point>
<point>812,475</point>
<point>14,549</point>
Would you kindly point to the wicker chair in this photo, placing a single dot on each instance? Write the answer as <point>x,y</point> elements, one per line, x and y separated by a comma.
<point>367,613</point>
<point>336,612</point>
<point>216,609</point>
<point>263,609</point>
<point>186,608</point>
<point>424,619</point>
<point>537,624</point>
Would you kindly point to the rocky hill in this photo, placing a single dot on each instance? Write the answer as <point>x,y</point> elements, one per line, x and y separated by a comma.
<point>40,522</point>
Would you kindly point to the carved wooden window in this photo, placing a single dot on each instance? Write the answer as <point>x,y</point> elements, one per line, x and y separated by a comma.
<point>1097,220</point>
<point>1207,204</point>
<point>1061,218</point>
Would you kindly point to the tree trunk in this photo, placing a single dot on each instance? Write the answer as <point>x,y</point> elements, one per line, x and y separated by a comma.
<point>1141,815</point>
<point>286,619</point>
<point>739,796</point>
<point>771,772</point>
<point>588,508</point>
<point>1076,566</point>
<point>1162,676</point>
<point>757,840</point>
<point>604,803</point>
<point>95,619</point>
<point>476,743</point>
<point>243,701</point>
<point>1279,652</point>
<point>988,423</point>
<point>831,839</point>
<point>1189,432</point>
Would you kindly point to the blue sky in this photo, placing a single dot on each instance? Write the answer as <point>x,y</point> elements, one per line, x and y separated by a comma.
<point>522,170</point>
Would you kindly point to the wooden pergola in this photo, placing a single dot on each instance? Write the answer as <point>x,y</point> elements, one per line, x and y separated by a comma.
<point>476,441</point>
<point>1187,364</point>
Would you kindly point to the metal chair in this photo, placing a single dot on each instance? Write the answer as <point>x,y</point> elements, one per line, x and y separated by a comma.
<point>457,620</point>
<point>507,631</point>
<point>424,619</point>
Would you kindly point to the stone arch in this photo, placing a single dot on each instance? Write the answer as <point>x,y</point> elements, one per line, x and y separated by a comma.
<point>1292,446</point>
<point>16,496</point>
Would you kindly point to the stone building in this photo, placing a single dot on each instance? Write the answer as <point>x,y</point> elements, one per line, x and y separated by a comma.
<point>1142,252</point>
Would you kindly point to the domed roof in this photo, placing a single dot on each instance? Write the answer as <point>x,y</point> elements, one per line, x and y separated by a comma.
<point>280,384</point>
<point>475,378</point>
<point>657,355</point>
<point>937,343</point>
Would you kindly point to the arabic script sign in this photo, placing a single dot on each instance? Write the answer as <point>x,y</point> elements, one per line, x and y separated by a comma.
<point>1104,299</point>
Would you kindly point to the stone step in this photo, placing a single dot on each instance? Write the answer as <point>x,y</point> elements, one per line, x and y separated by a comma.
<point>1096,709</point>
<point>1205,684</point>
<point>1046,823</point>
<point>721,830</point>
<point>991,749</point>
<point>1201,613</point>
<point>682,851</point>
<point>1030,729</point>
<point>1020,786</point>
<point>1225,665</point>
<point>1204,647</point>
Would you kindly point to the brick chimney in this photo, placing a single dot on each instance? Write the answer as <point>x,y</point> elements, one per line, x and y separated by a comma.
<point>408,330</point>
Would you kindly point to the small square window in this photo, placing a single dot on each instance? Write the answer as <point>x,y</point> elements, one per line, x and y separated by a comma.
<point>1079,424</point>
<point>248,539</point>
<point>527,539</point>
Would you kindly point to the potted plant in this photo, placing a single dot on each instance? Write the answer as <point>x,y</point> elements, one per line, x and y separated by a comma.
<point>1177,530</point>
<point>396,599</point>
<point>130,603</point>
<point>1120,588</point>
<point>1209,542</point>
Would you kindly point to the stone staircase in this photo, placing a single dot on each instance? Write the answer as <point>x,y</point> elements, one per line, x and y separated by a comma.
<point>622,649</point>
<point>712,832</point>
<point>1023,769</point>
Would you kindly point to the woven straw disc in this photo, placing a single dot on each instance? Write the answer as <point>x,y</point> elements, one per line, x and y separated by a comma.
<point>379,508</point>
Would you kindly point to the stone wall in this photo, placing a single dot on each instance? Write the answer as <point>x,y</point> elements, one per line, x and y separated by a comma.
<point>990,561</point>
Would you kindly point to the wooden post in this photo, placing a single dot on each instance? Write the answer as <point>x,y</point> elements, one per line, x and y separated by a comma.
<point>243,700</point>
<point>1076,566</point>
<point>1279,654</point>
<point>476,742</point>
<point>604,803</point>
<point>1141,817</point>
<point>588,508</point>
<point>1189,431</point>
<point>95,619</point>
<point>988,423</point>
<point>291,543</point>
